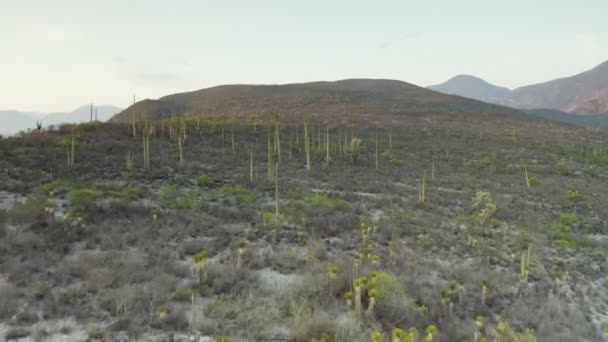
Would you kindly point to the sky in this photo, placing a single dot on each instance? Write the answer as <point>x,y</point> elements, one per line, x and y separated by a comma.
<point>57,55</point>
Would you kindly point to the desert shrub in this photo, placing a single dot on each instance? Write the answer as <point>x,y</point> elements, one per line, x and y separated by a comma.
<point>52,188</point>
<point>318,204</point>
<point>26,240</point>
<point>174,197</point>
<point>80,197</point>
<point>18,332</point>
<point>204,181</point>
<point>307,321</point>
<point>83,196</point>
<point>256,313</point>
<point>238,192</point>
<point>388,286</point>
<point>534,180</point>
<point>175,320</point>
<point>574,196</point>
<point>221,278</point>
<point>563,232</point>
<point>99,278</point>
<point>26,212</point>
<point>287,260</point>
<point>394,161</point>
<point>182,294</point>
<point>8,300</point>
<point>503,332</point>
<point>98,333</point>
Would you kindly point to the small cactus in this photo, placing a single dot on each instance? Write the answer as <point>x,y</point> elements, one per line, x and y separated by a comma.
<point>377,336</point>
<point>397,335</point>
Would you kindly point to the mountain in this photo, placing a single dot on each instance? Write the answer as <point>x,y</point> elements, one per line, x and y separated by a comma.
<point>80,114</point>
<point>12,122</point>
<point>595,104</point>
<point>351,97</point>
<point>584,93</point>
<point>474,88</point>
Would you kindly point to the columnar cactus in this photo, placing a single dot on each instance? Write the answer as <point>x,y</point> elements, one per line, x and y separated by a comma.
<point>525,266</point>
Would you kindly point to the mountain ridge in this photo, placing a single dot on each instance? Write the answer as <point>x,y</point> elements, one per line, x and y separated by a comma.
<point>585,93</point>
<point>353,97</point>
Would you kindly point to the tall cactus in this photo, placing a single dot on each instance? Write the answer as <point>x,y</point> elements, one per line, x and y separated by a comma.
<point>525,266</point>
<point>307,146</point>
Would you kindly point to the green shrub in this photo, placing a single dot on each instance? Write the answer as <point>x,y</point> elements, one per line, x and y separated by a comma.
<point>85,196</point>
<point>319,203</point>
<point>81,196</point>
<point>239,192</point>
<point>182,294</point>
<point>388,287</point>
<point>204,181</point>
<point>534,180</point>
<point>175,198</point>
<point>26,212</point>
<point>51,188</point>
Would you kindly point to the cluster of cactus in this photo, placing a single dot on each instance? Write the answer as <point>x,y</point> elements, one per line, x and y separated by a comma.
<point>412,335</point>
<point>74,219</point>
<point>483,207</point>
<point>399,335</point>
<point>368,230</point>
<point>449,295</point>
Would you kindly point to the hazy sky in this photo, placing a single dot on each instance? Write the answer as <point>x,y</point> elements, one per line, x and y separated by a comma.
<point>56,55</point>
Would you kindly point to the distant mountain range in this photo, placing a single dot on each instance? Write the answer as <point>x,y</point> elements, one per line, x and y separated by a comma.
<point>13,121</point>
<point>582,94</point>
<point>363,98</point>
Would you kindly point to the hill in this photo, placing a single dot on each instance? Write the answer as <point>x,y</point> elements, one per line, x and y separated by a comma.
<point>81,114</point>
<point>352,98</point>
<point>474,88</point>
<point>13,121</point>
<point>579,94</point>
<point>263,236</point>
